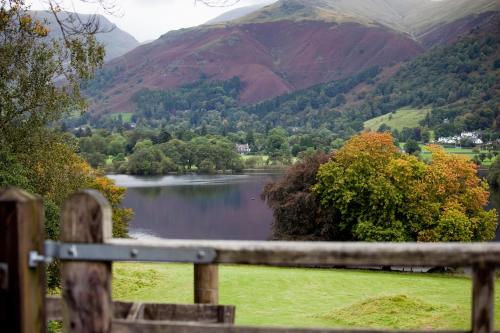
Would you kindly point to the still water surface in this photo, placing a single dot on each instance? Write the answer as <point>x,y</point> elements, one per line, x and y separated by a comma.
<point>205,207</point>
<point>198,206</point>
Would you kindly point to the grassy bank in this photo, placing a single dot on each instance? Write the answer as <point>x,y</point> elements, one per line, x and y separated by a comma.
<point>313,297</point>
<point>405,117</point>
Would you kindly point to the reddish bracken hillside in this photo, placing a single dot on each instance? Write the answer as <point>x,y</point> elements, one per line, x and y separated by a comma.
<point>270,58</point>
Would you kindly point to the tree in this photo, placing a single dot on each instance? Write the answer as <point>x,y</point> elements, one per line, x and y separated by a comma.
<point>163,136</point>
<point>382,194</point>
<point>297,212</point>
<point>116,145</point>
<point>277,146</point>
<point>383,128</point>
<point>496,64</point>
<point>39,83</point>
<point>412,147</point>
<point>149,160</point>
<point>31,65</point>
<point>494,175</point>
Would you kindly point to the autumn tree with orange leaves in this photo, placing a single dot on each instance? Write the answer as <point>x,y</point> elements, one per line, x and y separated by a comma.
<point>383,194</point>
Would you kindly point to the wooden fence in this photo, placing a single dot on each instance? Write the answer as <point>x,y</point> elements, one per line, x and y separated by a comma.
<point>86,304</point>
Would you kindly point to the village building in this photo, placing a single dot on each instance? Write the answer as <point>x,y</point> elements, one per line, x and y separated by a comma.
<point>457,139</point>
<point>243,148</point>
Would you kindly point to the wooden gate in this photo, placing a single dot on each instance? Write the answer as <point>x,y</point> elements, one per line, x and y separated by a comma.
<point>87,251</point>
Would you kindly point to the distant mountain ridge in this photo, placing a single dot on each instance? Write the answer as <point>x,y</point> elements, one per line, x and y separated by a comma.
<point>116,41</point>
<point>289,45</point>
<point>414,17</point>
<point>237,13</point>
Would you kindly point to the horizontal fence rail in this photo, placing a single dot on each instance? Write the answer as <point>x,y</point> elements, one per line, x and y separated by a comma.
<point>333,253</point>
<point>206,313</point>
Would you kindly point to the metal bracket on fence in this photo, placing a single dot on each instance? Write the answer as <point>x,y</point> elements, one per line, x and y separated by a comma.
<point>4,276</point>
<point>111,252</point>
<point>36,258</point>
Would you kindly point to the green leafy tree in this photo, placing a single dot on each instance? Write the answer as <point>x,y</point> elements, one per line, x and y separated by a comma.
<point>31,63</point>
<point>277,146</point>
<point>116,145</point>
<point>382,194</point>
<point>149,160</point>
<point>412,147</point>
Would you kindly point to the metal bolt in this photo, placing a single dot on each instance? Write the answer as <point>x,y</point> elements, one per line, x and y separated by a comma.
<point>201,254</point>
<point>72,251</point>
<point>134,253</point>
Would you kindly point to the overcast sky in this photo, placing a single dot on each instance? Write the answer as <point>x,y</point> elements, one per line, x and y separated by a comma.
<point>149,19</point>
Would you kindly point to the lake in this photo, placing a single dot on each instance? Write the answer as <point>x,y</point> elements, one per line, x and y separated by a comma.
<point>198,206</point>
<point>205,206</point>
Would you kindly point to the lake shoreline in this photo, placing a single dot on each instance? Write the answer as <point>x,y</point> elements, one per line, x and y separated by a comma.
<point>190,206</point>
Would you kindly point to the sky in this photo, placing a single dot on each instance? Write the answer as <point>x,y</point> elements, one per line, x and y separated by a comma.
<point>149,19</point>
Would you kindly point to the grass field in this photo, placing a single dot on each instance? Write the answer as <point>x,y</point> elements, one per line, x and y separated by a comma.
<point>126,116</point>
<point>262,159</point>
<point>313,297</point>
<point>467,152</point>
<point>405,117</point>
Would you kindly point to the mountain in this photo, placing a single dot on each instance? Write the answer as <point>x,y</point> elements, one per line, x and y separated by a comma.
<point>415,17</point>
<point>116,41</point>
<point>288,45</point>
<point>237,13</point>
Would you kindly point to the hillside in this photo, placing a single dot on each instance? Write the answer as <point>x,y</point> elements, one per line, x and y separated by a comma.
<point>270,58</point>
<point>452,87</point>
<point>288,46</point>
<point>459,83</point>
<point>116,41</point>
<point>398,120</point>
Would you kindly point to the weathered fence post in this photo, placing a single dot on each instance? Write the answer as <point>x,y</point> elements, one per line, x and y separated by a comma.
<point>22,289</point>
<point>86,286</point>
<point>206,283</point>
<point>483,297</point>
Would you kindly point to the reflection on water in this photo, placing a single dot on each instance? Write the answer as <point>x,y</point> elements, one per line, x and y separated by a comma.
<point>198,207</point>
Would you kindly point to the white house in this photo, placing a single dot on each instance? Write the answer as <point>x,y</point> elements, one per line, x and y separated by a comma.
<point>243,148</point>
<point>473,136</point>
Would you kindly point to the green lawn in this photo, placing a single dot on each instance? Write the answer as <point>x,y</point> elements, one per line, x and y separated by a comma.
<point>264,158</point>
<point>313,297</point>
<point>405,117</point>
<point>126,116</point>
<point>467,152</point>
